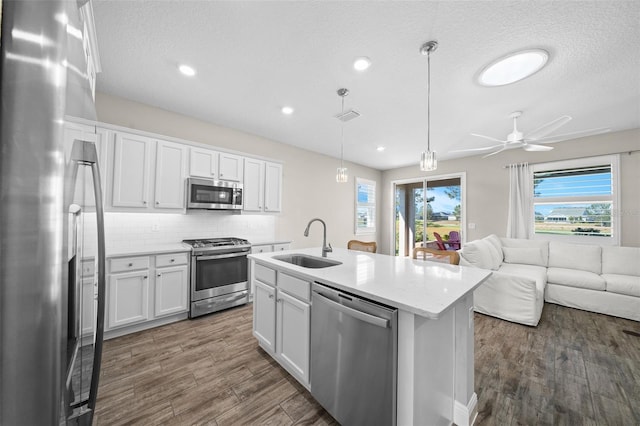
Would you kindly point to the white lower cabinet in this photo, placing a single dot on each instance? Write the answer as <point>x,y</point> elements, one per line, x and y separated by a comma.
<point>145,288</point>
<point>292,334</point>
<point>172,286</point>
<point>264,316</point>
<point>128,298</point>
<point>282,319</point>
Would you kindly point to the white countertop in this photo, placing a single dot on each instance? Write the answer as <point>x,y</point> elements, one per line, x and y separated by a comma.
<point>421,287</point>
<point>147,250</point>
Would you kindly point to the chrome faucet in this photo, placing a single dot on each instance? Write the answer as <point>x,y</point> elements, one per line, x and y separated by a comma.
<point>326,248</point>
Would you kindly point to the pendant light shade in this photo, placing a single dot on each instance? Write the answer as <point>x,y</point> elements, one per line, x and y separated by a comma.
<point>341,174</point>
<point>428,161</point>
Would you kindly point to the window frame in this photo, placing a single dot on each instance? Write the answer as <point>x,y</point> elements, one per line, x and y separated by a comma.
<point>358,230</point>
<point>614,161</point>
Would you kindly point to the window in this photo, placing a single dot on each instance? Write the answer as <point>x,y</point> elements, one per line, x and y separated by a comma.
<point>576,200</point>
<point>365,206</point>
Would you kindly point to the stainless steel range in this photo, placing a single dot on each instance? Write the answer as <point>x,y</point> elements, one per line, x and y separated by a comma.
<point>219,270</point>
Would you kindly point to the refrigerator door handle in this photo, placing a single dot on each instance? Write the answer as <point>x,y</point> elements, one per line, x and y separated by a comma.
<point>84,152</point>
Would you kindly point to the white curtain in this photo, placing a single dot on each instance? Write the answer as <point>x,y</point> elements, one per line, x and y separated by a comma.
<point>520,205</point>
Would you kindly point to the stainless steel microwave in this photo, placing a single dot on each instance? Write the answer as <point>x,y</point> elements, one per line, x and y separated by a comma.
<point>213,194</point>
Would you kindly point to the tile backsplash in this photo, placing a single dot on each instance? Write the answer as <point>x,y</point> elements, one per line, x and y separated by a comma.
<point>124,231</point>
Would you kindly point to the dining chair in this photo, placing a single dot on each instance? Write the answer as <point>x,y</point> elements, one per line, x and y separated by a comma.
<point>434,255</point>
<point>369,247</point>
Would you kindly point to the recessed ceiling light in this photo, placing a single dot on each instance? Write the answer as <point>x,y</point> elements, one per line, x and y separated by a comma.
<point>287,110</point>
<point>187,70</point>
<point>513,67</point>
<point>362,63</point>
<point>380,148</point>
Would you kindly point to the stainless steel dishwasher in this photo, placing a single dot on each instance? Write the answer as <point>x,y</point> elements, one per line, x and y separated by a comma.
<point>354,346</point>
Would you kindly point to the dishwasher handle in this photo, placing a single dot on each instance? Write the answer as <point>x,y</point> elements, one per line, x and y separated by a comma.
<point>363,316</point>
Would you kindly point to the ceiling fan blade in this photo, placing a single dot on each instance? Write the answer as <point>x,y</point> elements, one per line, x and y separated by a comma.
<point>534,147</point>
<point>487,137</point>
<point>573,135</point>
<point>486,148</point>
<point>496,152</point>
<point>545,129</point>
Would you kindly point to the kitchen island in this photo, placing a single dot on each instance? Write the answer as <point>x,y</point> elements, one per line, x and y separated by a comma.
<point>435,383</point>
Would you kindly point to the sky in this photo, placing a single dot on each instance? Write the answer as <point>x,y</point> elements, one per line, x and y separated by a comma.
<point>596,184</point>
<point>442,202</point>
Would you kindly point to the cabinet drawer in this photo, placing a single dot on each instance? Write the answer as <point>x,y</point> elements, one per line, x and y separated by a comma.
<point>295,286</point>
<point>129,264</point>
<point>280,247</point>
<point>262,249</point>
<point>172,259</point>
<point>264,274</point>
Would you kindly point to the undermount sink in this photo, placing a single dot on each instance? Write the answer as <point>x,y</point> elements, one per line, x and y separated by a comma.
<point>307,261</point>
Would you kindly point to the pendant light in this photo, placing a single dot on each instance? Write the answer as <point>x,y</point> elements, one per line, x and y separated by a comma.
<point>428,160</point>
<point>341,174</point>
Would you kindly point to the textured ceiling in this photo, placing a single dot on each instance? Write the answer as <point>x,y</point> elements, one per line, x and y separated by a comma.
<point>254,57</point>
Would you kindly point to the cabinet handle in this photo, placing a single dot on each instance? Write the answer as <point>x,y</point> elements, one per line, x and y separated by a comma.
<point>279,300</point>
<point>130,265</point>
<point>159,275</point>
<point>157,202</point>
<point>145,277</point>
<point>173,260</point>
<point>271,296</point>
<point>144,202</point>
<point>221,175</point>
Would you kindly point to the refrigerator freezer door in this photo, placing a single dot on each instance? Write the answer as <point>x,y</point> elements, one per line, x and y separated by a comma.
<point>41,81</point>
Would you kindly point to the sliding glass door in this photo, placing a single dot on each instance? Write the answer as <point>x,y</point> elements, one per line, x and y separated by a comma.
<point>428,213</point>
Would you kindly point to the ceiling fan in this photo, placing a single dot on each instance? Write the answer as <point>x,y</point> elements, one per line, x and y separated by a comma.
<point>518,139</point>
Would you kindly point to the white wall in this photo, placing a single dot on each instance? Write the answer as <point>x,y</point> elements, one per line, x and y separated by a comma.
<point>488,184</point>
<point>309,187</point>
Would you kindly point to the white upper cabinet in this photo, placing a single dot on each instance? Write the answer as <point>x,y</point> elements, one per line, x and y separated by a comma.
<point>273,187</point>
<point>171,168</point>
<point>262,186</point>
<point>147,173</point>
<point>211,164</point>
<point>253,191</point>
<point>230,167</point>
<point>131,170</point>
<point>204,163</point>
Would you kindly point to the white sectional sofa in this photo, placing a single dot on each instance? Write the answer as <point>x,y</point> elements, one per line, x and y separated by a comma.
<point>527,273</point>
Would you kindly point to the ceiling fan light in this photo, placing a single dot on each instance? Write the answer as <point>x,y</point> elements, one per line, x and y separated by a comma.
<point>428,161</point>
<point>513,67</point>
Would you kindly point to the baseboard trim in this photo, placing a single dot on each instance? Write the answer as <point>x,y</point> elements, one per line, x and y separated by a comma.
<point>466,415</point>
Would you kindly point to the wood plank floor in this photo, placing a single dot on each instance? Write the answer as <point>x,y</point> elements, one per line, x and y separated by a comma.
<point>575,368</point>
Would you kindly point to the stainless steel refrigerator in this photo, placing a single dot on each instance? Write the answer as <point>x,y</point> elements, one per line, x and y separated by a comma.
<point>50,220</point>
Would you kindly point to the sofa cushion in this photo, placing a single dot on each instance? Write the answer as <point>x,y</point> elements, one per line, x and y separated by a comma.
<point>582,257</point>
<point>622,284</point>
<point>522,243</point>
<point>534,272</point>
<point>575,278</point>
<point>523,255</point>
<point>481,254</point>
<point>621,261</point>
<point>495,242</point>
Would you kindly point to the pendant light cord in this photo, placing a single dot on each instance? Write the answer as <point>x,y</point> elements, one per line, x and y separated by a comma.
<point>429,101</point>
<point>342,138</point>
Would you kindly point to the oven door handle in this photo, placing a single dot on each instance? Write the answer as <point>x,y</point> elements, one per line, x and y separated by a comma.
<point>221,256</point>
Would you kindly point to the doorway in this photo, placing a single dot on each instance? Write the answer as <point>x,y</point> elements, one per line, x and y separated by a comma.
<point>426,207</point>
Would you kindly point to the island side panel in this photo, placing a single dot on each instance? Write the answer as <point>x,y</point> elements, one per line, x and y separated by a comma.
<point>466,400</point>
<point>426,363</point>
